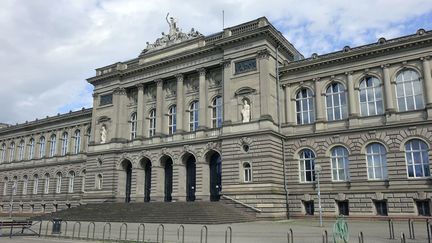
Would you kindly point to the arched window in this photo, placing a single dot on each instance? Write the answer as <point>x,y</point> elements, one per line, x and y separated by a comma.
<point>247,172</point>
<point>307,165</point>
<point>336,102</point>
<point>65,143</point>
<point>152,122</point>
<point>35,184</point>
<point>12,152</point>
<point>339,164</point>
<point>217,112</point>
<point>21,147</point>
<point>417,158</point>
<point>53,145</point>
<point>31,150</point>
<point>376,156</point>
<point>371,98</point>
<point>409,91</point>
<point>193,116</point>
<point>25,185</point>
<point>99,181</point>
<point>59,182</point>
<point>3,153</point>
<point>46,185</point>
<point>133,126</point>
<point>71,181</point>
<point>172,119</point>
<point>42,147</point>
<point>305,106</point>
<point>83,180</point>
<point>77,142</point>
<point>5,186</point>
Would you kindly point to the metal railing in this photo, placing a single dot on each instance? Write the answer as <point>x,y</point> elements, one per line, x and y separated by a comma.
<point>121,229</point>
<point>290,236</point>
<point>228,229</point>
<point>178,233</point>
<point>162,227</point>
<point>109,232</point>
<point>143,234</point>
<point>88,230</point>
<point>206,233</point>
<point>79,230</point>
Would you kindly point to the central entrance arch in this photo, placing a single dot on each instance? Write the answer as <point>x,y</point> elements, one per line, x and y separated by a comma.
<point>190,162</point>
<point>215,163</point>
<point>167,163</point>
<point>127,167</point>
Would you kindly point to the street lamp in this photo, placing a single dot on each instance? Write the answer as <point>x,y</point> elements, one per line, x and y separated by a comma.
<point>318,170</point>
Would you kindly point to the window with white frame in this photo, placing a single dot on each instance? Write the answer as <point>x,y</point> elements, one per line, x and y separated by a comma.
<point>42,147</point>
<point>35,184</point>
<point>133,126</point>
<point>12,152</point>
<point>193,116</point>
<point>307,165</point>
<point>217,112</point>
<point>59,182</point>
<point>371,97</point>
<point>83,180</point>
<point>417,159</point>
<point>172,119</point>
<point>53,145</point>
<point>65,144</point>
<point>25,185</point>
<point>46,184</point>
<point>77,142</point>
<point>336,102</point>
<point>376,156</point>
<point>31,147</point>
<point>3,153</point>
<point>339,163</point>
<point>99,181</point>
<point>409,90</point>
<point>152,122</point>
<point>71,181</point>
<point>305,106</point>
<point>21,148</point>
<point>247,172</point>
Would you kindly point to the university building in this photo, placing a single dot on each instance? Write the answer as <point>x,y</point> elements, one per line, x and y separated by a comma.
<point>238,116</point>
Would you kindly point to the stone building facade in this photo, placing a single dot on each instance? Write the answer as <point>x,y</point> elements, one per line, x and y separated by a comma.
<point>198,117</point>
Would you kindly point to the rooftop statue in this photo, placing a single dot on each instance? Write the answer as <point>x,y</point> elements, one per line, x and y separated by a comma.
<point>174,36</point>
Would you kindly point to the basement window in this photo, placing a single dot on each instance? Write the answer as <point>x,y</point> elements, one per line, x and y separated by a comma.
<point>423,207</point>
<point>343,208</point>
<point>381,208</point>
<point>309,207</point>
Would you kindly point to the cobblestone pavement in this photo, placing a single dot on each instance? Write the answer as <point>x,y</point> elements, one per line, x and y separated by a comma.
<point>305,231</point>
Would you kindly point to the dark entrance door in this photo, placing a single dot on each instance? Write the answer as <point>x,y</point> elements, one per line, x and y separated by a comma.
<point>168,180</point>
<point>147,181</point>
<point>128,182</point>
<point>190,178</point>
<point>215,177</point>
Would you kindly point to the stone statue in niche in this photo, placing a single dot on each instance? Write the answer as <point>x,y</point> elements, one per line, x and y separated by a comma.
<point>103,134</point>
<point>245,111</point>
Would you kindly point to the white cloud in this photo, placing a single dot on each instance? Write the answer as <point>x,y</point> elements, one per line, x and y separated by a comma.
<point>49,48</point>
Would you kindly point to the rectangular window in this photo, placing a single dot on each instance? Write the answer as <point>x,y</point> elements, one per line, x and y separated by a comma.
<point>343,207</point>
<point>423,207</point>
<point>245,66</point>
<point>381,208</point>
<point>309,207</point>
<point>105,99</point>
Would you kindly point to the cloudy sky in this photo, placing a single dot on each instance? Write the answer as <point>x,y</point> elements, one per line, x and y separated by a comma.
<point>49,47</point>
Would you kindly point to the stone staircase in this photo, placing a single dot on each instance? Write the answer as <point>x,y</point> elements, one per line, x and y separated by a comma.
<point>155,212</point>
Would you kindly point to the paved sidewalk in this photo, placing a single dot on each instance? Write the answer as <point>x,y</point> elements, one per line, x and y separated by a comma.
<point>305,231</point>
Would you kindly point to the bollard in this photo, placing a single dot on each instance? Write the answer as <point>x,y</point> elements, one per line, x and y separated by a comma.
<point>65,228</point>
<point>139,227</point>
<point>324,237</point>
<point>403,239</point>
<point>360,237</point>
<point>121,229</point>
<point>163,233</point>
<point>109,232</point>
<point>230,234</point>
<point>79,229</point>
<point>88,230</point>
<point>206,231</point>
<point>178,233</point>
<point>391,229</point>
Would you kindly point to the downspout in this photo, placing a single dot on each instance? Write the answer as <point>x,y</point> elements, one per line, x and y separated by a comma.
<point>279,130</point>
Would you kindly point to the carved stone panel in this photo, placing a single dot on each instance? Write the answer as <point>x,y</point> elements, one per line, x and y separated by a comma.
<point>192,83</point>
<point>150,92</point>
<point>170,88</point>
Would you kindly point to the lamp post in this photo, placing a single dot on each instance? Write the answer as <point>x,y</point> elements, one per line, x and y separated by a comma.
<point>317,174</point>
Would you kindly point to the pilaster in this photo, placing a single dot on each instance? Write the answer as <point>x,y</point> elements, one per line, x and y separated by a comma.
<point>388,91</point>
<point>290,113</point>
<point>202,114</point>
<point>180,102</point>
<point>159,106</point>
<point>319,106</point>
<point>179,182</point>
<point>93,122</point>
<point>140,111</point>
<point>227,92</point>
<point>427,84</point>
<point>120,119</point>
<point>264,84</point>
<point>353,111</point>
<point>157,189</point>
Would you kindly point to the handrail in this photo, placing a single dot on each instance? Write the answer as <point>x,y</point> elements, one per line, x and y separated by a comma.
<point>242,203</point>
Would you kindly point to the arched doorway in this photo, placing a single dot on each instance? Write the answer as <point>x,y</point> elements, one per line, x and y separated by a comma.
<point>127,167</point>
<point>167,163</point>
<point>190,162</point>
<point>215,164</point>
<point>147,166</point>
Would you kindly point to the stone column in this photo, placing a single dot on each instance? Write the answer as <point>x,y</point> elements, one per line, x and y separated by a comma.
<point>180,102</point>
<point>120,118</point>
<point>388,92</point>
<point>140,111</point>
<point>202,181</point>
<point>202,113</point>
<point>159,106</point>
<point>157,183</point>
<point>264,86</point>
<point>179,181</point>
<point>319,105</point>
<point>93,122</point>
<point>227,92</point>
<point>353,112</point>
<point>138,176</point>
<point>427,81</point>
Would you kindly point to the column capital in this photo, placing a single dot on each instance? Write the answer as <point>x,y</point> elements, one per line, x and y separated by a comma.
<point>179,76</point>
<point>201,71</point>
<point>425,58</point>
<point>158,82</point>
<point>140,86</point>
<point>349,73</point>
<point>119,91</point>
<point>226,62</point>
<point>317,79</point>
<point>386,65</point>
<point>263,54</point>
